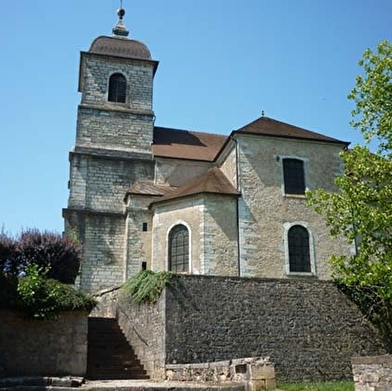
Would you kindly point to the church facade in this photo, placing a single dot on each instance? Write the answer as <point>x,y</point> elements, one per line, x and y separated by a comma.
<point>148,197</point>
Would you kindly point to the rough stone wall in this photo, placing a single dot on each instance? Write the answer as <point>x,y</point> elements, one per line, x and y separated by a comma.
<point>219,234</point>
<point>95,80</point>
<point>113,150</point>
<point>229,165</point>
<point>264,209</point>
<point>308,328</point>
<point>99,127</point>
<point>142,325</point>
<point>100,183</point>
<point>138,242</point>
<point>111,125</point>
<point>212,224</point>
<point>39,348</point>
<point>103,239</point>
<point>372,373</point>
<point>175,172</point>
<point>96,210</point>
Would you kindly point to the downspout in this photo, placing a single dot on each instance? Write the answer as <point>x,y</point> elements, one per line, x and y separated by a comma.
<point>238,172</point>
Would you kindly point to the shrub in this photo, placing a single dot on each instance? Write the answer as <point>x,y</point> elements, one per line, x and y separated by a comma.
<point>59,255</point>
<point>42,298</point>
<point>10,262</point>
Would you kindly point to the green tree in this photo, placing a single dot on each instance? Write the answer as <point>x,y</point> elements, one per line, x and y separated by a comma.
<point>361,209</point>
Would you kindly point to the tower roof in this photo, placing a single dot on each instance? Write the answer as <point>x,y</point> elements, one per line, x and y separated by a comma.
<point>120,47</point>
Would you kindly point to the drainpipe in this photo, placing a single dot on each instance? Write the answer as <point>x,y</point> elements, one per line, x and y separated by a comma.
<point>238,173</point>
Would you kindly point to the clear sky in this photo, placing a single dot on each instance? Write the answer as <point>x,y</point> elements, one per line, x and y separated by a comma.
<point>221,63</point>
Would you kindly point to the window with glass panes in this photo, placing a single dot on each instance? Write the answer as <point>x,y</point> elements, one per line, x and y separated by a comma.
<point>299,253</point>
<point>294,177</point>
<point>179,249</point>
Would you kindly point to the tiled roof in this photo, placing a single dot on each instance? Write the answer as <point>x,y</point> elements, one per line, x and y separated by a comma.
<point>120,47</point>
<point>186,144</point>
<point>147,187</point>
<point>269,127</point>
<point>213,182</point>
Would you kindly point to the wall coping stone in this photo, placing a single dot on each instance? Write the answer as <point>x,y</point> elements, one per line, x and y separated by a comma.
<point>370,360</point>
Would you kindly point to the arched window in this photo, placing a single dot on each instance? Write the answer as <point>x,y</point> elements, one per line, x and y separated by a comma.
<point>299,251</point>
<point>294,176</point>
<point>179,249</point>
<point>117,88</point>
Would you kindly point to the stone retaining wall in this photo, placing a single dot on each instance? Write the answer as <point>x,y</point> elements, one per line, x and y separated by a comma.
<point>308,328</point>
<point>372,373</point>
<point>39,348</point>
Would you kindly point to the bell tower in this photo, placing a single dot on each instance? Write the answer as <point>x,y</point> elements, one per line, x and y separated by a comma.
<point>114,133</point>
<point>116,82</point>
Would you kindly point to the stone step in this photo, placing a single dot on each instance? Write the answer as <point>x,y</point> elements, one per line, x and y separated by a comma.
<point>109,355</point>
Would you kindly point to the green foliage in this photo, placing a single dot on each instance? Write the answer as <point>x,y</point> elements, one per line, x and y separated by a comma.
<point>361,209</point>
<point>373,97</point>
<point>147,285</point>
<point>40,297</point>
<point>327,386</point>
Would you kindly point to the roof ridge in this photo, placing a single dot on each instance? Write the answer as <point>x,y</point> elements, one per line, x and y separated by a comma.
<point>192,131</point>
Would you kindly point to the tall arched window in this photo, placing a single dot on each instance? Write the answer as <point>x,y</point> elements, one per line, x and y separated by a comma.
<point>117,88</point>
<point>179,249</point>
<point>299,251</point>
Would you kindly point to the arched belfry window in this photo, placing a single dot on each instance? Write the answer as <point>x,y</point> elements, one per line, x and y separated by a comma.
<point>179,249</point>
<point>299,249</point>
<point>117,88</point>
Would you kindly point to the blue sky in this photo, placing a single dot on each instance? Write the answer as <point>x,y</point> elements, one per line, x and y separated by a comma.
<point>221,63</point>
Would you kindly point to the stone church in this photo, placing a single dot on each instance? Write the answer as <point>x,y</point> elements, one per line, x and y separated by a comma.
<point>149,197</point>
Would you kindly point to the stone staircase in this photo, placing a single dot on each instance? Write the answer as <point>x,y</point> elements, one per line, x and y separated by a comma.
<point>109,355</point>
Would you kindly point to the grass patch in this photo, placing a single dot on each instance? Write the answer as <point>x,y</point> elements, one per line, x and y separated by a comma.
<point>327,386</point>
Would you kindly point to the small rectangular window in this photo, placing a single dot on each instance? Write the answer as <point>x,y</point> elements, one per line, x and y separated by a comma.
<point>145,227</point>
<point>144,265</point>
<point>294,176</point>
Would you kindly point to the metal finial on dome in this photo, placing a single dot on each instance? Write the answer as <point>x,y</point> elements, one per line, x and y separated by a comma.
<point>119,29</point>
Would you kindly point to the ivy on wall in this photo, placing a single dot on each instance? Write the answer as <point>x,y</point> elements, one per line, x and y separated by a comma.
<point>147,286</point>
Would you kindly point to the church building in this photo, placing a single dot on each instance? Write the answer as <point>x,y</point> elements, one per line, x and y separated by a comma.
<point>149,197</point>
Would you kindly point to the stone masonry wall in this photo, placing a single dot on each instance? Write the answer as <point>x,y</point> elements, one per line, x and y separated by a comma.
<point>100,183</point>
<point>97,213</point>
<point>103,240</point>
<point>114,129</point>
<point>372,373</point>
<point>95,81</point>
<point>264,209</point>
<point>175,172</point>
<point>308,328</point>
<point>219,234</point>
<point>142,325</point>
<point>39,348</point>
<point>188,212</point>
